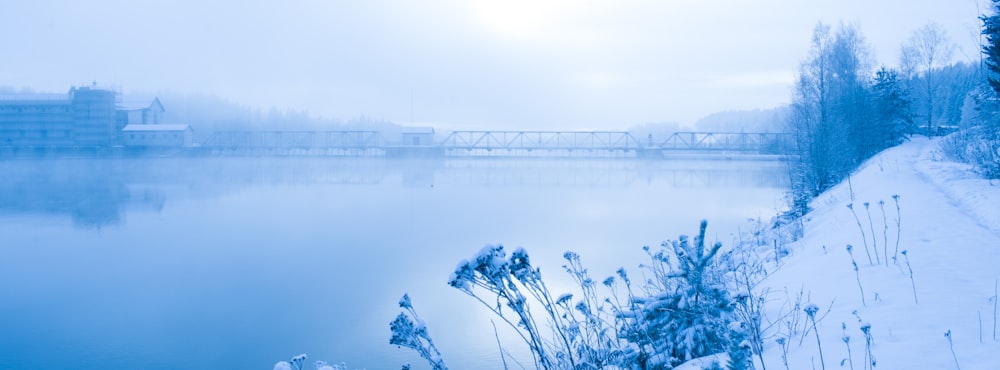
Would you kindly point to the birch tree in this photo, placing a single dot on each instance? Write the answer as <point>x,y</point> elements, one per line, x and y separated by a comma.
<point>927,51</point>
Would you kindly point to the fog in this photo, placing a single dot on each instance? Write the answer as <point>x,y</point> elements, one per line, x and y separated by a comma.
<point>237,262</point>
<point>456,64</point>
<point>293,168</point>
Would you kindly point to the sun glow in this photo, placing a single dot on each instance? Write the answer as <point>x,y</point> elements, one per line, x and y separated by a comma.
<point>526,19</point>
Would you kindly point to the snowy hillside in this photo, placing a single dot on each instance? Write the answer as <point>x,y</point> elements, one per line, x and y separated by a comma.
<point>949,226</point>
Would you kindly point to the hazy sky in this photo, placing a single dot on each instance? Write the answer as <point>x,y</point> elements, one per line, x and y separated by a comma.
<point>531,64</point>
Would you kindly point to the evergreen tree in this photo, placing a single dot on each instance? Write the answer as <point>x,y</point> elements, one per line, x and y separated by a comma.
<point>893,114</point>
<point>991,29</point>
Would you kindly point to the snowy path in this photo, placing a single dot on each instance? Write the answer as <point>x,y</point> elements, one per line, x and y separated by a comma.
<point>950,225</point>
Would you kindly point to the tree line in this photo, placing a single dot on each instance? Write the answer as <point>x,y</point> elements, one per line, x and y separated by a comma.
<point>844,109</point>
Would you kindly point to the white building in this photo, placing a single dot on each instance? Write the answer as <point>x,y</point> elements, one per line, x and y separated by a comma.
<point>159,136</point>
<point>418,136</point>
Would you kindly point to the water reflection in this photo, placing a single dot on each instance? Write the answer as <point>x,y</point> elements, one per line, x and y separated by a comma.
<point>94,193</point>
<point>240,262</point>
<point>90,193</point>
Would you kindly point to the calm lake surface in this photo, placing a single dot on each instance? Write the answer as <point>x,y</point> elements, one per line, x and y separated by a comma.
<point>237,263</point>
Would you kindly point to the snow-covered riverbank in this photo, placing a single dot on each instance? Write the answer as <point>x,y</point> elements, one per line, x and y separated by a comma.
<point>950,228</point>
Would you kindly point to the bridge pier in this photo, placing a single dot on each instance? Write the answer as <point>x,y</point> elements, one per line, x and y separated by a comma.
<point>414,152</point>
<point>650,153</point>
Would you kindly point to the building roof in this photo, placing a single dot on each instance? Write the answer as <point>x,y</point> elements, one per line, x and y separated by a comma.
<point>22,98</point>
<point>155,128</point>
<point>418,130</point>
<point>140,104</point>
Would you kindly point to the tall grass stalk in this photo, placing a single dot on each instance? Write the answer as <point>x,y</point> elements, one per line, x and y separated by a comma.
<point>857,274</point>
<point>912,282</point>
<point>871,227</point>
<point>784,350</point>
<point>847,341</point>
<point>895,199</point>
<point>951,346</point>
<point>811,310</point>
<point>864,238</point>
<point>979,314</point>
<point>885,233</point>
<point>995,284</point>
<point>503,358</point>
<point>866,329</point>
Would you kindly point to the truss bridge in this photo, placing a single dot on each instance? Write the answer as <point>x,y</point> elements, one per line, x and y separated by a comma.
<point>489,143</point>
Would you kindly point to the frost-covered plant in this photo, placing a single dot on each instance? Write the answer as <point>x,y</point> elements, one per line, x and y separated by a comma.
<point>913,283</point>
<point>996,283</point>
<point>682,312</point>
<point>864,238</point>
<point>688,311</point>
<point>591,327</point>
<point>510,283</point>
<point>794,316</point>
<point>409,331</point>
<point>895,199</point>
<point>811,310</point>
<point>871,227</point>
<point>783,343</point>
<point>745,268</point>
<point>629,319</point>
<point>857,274</point>
<point>490,270</point>
<point>738,348</point>
<point>323,365</point>
<point>951,346</point>
<point>885,233</point>
<point>294,364</point>
<point>847,342</point>
<point>978,145</point>
<point>297,362</point>
<point>866,329</point>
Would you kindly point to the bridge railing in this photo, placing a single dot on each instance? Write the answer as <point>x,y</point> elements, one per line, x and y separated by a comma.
<point>541,140</point>
<point>757,142</point>
<point>512,142</point>
<point>295,140</point>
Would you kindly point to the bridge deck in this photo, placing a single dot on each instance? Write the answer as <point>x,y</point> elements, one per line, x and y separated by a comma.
<point>496,143</point>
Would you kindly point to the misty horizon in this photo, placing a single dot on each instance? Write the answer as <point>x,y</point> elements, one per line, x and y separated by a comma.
<point>457,65</point>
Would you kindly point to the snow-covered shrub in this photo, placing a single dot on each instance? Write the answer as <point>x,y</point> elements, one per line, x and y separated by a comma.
<point>591,321</point>
<point>297,362</point>
<point>688,310</point>
<point>739,348</point>
<point>978,146</point>
<point>409,331</point>
<point>745,268</point>
<point>294,364</point>
<point>504,279</point>
<point>682,312</point>
<point>583,332</point>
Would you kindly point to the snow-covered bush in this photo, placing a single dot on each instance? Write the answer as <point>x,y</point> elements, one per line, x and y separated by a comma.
<point>978,146</point>
<point>683,311</point>
<point>409,331</point>
<point>582,332</point>
<point>688,310</point>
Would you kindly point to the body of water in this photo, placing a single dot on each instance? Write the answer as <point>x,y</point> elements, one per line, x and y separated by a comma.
<point>237,263</point>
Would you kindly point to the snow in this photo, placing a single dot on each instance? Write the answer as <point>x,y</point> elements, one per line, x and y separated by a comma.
<point>950,229</point>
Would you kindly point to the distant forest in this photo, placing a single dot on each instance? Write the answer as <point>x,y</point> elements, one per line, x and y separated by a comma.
<point>208,114</point>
